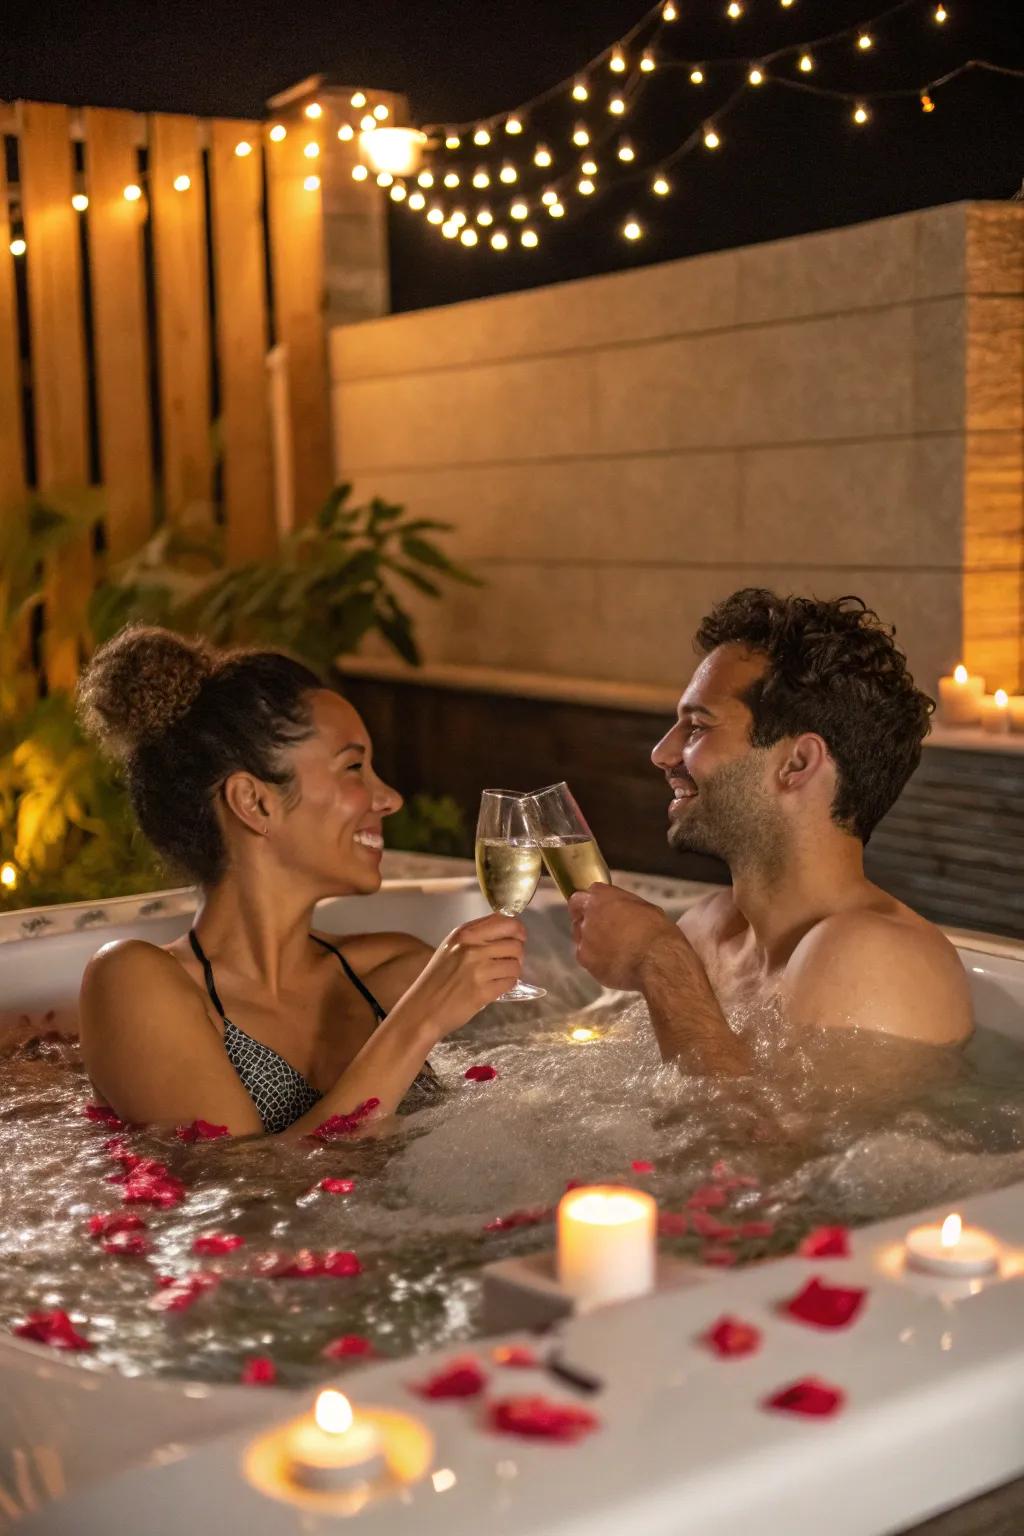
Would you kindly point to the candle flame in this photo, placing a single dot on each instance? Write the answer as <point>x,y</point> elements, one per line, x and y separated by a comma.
<point>1002,698</point>
<point>951,1229</point>
<point>333,1412</point>
<point>605,1209</point>
<point>960,673</point>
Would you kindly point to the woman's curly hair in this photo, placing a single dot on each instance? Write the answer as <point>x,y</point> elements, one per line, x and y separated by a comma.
<point>834,669</point>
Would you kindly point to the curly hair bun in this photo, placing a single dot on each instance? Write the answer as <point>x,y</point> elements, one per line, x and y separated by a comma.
<point>139,684</point>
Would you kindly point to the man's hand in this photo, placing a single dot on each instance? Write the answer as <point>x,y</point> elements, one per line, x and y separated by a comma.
<point>614,933</point>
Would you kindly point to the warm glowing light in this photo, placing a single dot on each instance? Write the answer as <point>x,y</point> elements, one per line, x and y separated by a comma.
<point>243,148</point>
<point>625,150</point>
<point>529,238</point>
<point>756,76</point>
<point>582,1033</point>
<point>312,183</point>
<point>513,125</point>
<point>132,193</point>
<point>79,202</point>
<point>951,1230</point>
<point>8,873</point>
<point>380,112</point>
<point>451,179</point>
<point>711,139</point>
<point>865,41</point>
<point>616,106</point>
<point>508,174</point>
<point>384,178</point>
<point>484,216</point>
<point>311,151</point>
<point>499,240</point>
<point>661,186</point>
<point>435,216</point>
<point>542,155</point>
<point>457,217</point>
<point>580,91</point>
<point>960,674</point>
<point>786,4</point>
<point>450,229</point>
<point>398,193</point>
<point>481,136</point>
<point>632,231</point>
<point>481,178</point>
<point>941,14</point>
<point>556,210</point>
<point>860,113</point>
<point>580,135</point>
<point>358,100</point>
<point>17,247</point>
<point>452,141</point>
<point>359,173</point>
<point>669,11</point>
<point>443,1479</point>
<point>469,237</point>
<point>586,186</point>
<point>397,150</point>
<point>425,178</point>
<point>734,10</point>
<point>806,63</point>
<point>607,1244</point>
<point>1002,698</point>
<point>182,183</point>
<point>368,123</point>
<point>314,110</point>
<point>927,105</point>
<point>346,132</point>
<point>417,201</point>
<point>519,210</point>
<point>279,132</point>
<point>549,196</point>
<point>696,77</point>
<point>333,1412</point>
<point>617,62</point>
<point>589,167</point>
<point>647,62</point>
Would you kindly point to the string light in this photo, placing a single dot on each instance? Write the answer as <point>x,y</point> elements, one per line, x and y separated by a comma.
<point>17,247</point>
<point>312,183</point>
<point>314,110</point>
<point>132,193</point>
<point>542,156</point>
<point>865,41</point>
<point>451,179</point>
<point>380,112</point>
<point>384,179</point>
<point>697,76</point>
<point>508,173</point>
<point>484,216</point>
<point>786,4</point>
<point>669,11</point>
<point>941,14</point>
<point>9,871</point>
<point>617,106</point>
<point>368,123</point>
<point>79,202</point>
<point>417,201</point>
<point>711,139</point>
<point>481,178</point>
<point>243,148</point>
<point>457,217</point>
<point>860,113</point>
<point>625,150</point>
<point>756,76</point>
<point>311,151</point>
<point>647,61</point>
<point>586,186</point>
<point>452,141</point>
<point>279,132</point>
<point>398,193</point>
<point>359,173</point>
<point>513,125</point>
<point>581,134</point>
<point>589,167</point>
<point>481,136</point>
<point>806,63</point>
<point>617,62</point>
<point>182,183</point>
<point>358,100</point>
<point>556,210</point>
<point>346,132</point>
<point>580,91</point>
<point>632,230</point>
<point>529,238</point>
<point>425,178</point>
<point>549,196</point>
<point>499,240</point>
<point>734,10</point>
<point>927,105</point>
<point>449,230</point>
<point>519,210</point>
<point>661,185</point>
<point>435,216</point>
<point>469,237</point>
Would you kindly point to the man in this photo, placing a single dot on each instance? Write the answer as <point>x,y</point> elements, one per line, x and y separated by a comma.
<point>796,734</point>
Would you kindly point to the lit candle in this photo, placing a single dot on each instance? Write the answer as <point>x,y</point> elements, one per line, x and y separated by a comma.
<point>606,1244</point>
<point>960,698</point>
<point>995,713</point>
<point>952,1249</point>
<point>331,1449</point>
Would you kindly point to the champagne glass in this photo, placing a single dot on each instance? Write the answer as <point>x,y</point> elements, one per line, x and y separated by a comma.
<point>573,859</point>
<point>508,865</point>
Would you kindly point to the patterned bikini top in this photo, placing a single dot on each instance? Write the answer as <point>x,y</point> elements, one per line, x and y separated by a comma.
<point>281,1094</point>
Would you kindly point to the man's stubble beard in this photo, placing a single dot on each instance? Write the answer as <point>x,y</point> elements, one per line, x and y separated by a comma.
<point>732,819</point>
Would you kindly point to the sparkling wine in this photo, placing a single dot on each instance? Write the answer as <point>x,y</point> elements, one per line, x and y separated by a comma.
<point>574,863</point>
<point>508,873</point>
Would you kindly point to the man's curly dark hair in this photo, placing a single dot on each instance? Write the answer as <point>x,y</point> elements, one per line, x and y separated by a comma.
<point>834,669</point>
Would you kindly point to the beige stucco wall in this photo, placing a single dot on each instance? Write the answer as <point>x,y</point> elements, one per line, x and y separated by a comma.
<point>814,414</point>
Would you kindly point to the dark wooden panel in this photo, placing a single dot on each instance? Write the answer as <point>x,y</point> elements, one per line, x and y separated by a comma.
<point>952,847</point>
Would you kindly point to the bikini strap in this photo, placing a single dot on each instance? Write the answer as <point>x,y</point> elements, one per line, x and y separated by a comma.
<point>353,978</point>
<point>211,986</point>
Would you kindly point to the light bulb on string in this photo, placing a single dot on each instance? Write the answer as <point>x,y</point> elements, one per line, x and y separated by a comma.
<point>417,201</point>
<point>398,193</point>
<point>380,112</point>
<point>549,196</point>
<point>132,192</point>
<point>542,156</point>
<point>941,14</point>
<point>589,167</point>
<point>313,111</point>
<point>661,186</point>
<point>927,104</point>
<point>452,141</point>
<point>80,202</point>
<point>632,230</point>
<point>585,187</point>
<point>711,139</point>
<point>435,215</point>
<point>581,134</point>
<point>457,217</point>
<point>484,216</point>
<point>385,179</point>
<point>243,148</point>
<point>647,62</point>
<point>346,132</point>
<point>785,4</point>
<point>469,236</point>
<point>508,173</point>
<point>860,113</point>
<point>617,62</point>
<point>358,100</point>
<point>734,10</point>
<point>449,230</point>
<point>865,42</point>
<point>481,177</point>
<point>312,183</point>
<point>425,179</point>
<point>529,238</point>
<point>311,151</point>
<point>519,210</point>
<point>696,75</point>
<point>182,183</point>
<point>499,240</point>
<point>556,210</point>
<point>616,106</point>
<point>368,123</point>
<point>580,91</point>
<point>18,246</point>
<point>805,63</point>
<point>359,173</point>
<point>481,136</point>
<point>513,125</point>
<point>451,178</point>
<point>278,132</point>
<point>756,76</point>
<point>669,11</point>
<point>625,150</point>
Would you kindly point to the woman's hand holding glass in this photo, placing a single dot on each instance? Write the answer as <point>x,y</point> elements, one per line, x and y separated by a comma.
<point>474,966</point>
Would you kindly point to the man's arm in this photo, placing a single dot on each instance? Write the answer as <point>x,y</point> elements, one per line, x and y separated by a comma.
<point>628,943</point>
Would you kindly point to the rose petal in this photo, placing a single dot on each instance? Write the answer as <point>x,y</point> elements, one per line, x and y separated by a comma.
<point>825,1306</point>
<point>345,1125</point>
<point>337,1186</point>
<point>152,1189</point>
<point>348,1346</point>
<point>127,1244</point>
<point>540,1419</point>
<point>460,1378</point>
<point>342,1264</point>
<point>517,1356</point>
<point>115,1221</point>
<point>480,1074</point>
<point>730,1337</point>
<point>260,1371</point>
<point>574,1184</point>
<point>641,1165</point>
<point>826,1243</point>
<point>756,1228</point>
<point>177,1295</point>
<point>217,1242</point>
<point>711,1228</point>
<point>306,1265</point>
<point>531,1218</point>
<point>102,1114</point>
<point>53,1328</point>
<point>708,1197</point>
<point>720,1257</point>
<point>673,1224</point>
<point>201,1130</point>
<point>810,1396</point>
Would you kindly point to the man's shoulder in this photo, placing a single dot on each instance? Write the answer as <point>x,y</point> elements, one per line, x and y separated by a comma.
<point>711,916</point>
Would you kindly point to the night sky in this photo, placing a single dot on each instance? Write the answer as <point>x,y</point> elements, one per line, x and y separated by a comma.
<point>788,163</point>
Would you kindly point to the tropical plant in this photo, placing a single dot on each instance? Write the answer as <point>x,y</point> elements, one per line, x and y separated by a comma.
<point>428,824</point>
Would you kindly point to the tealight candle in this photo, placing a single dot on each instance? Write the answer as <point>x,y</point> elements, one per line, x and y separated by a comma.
<point>953,1250</point>
<point>960,697</point>
<point>331,1449</point>
<point>607,1243</point>
<point>995,713</point>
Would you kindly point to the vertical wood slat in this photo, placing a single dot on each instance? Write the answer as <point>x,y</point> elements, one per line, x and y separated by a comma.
<point>179,236</point>
<point>119,318</point>
<point>241,308</point>
<point>296,239</point>
<point>58,359</point>
<point>12,456</point>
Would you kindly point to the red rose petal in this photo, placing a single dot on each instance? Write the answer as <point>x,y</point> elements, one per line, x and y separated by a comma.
<point>460,1378</point>
<point>720,1257</point>
<point>337,1186</point>
<point>201,1130</point>
<point>342,1264</point>
<point>53,1328</point>
<point>826,1243</point>
<point>102,1114</point>
<point>531,1218</point>
<point>260,1371</point>
<point>538,1418</point>
<point>307,1265</point>
<point>217,1242</point>
<point>127,1244</point>
<point>711,1228</point>
<point>673,1224</point>
<point>708,1197</point>
<point>810,1396</point>
<point>516,1356</point>
<point>641,1165</point>
<point>730,1338</point>
<point>177,1295</point>
<point>348,1346</point>
<point>336,1126</point>
<point>163,1190</point>
<point>115,1221</point>
<point>756,1228</point>
<point>825,1306</point>
<point>480,1074</point>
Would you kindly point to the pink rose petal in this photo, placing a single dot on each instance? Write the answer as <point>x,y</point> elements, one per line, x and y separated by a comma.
<point>260,1371</point>
<point>537,1418</point>
<point>825,1306</point>
<point>177,1295</point>
<point>349,1346</point>
<point>336,1126</point>
<point>826,1243</point>
<point>102,1114</point>
<point>337,1186</point>
<point>115,1221</point>
<point>641,1165</point>
<point>217,1242</point>
<point>201,1130</point>
<point>730,1338</point>
<point>480,1074</point>
<point>459,1378</point>
<point>810,1396</point>
<point>53,1328</point>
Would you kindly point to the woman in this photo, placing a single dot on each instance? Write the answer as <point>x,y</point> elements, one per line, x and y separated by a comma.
<point>258,782</point>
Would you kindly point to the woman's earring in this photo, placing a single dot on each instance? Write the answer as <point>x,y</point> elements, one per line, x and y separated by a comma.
<point>266,829</point>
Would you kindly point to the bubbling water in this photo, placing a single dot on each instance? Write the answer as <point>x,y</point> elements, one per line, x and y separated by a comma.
<point>831,1127</point>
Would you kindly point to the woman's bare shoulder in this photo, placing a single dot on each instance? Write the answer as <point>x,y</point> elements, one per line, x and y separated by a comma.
<point>389,963</point>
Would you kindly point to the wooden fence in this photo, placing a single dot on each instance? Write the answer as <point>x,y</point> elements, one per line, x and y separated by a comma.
<point>150,266</point>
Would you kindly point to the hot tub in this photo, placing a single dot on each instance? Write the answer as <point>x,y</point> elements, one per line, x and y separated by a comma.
<point>933,1371</point>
